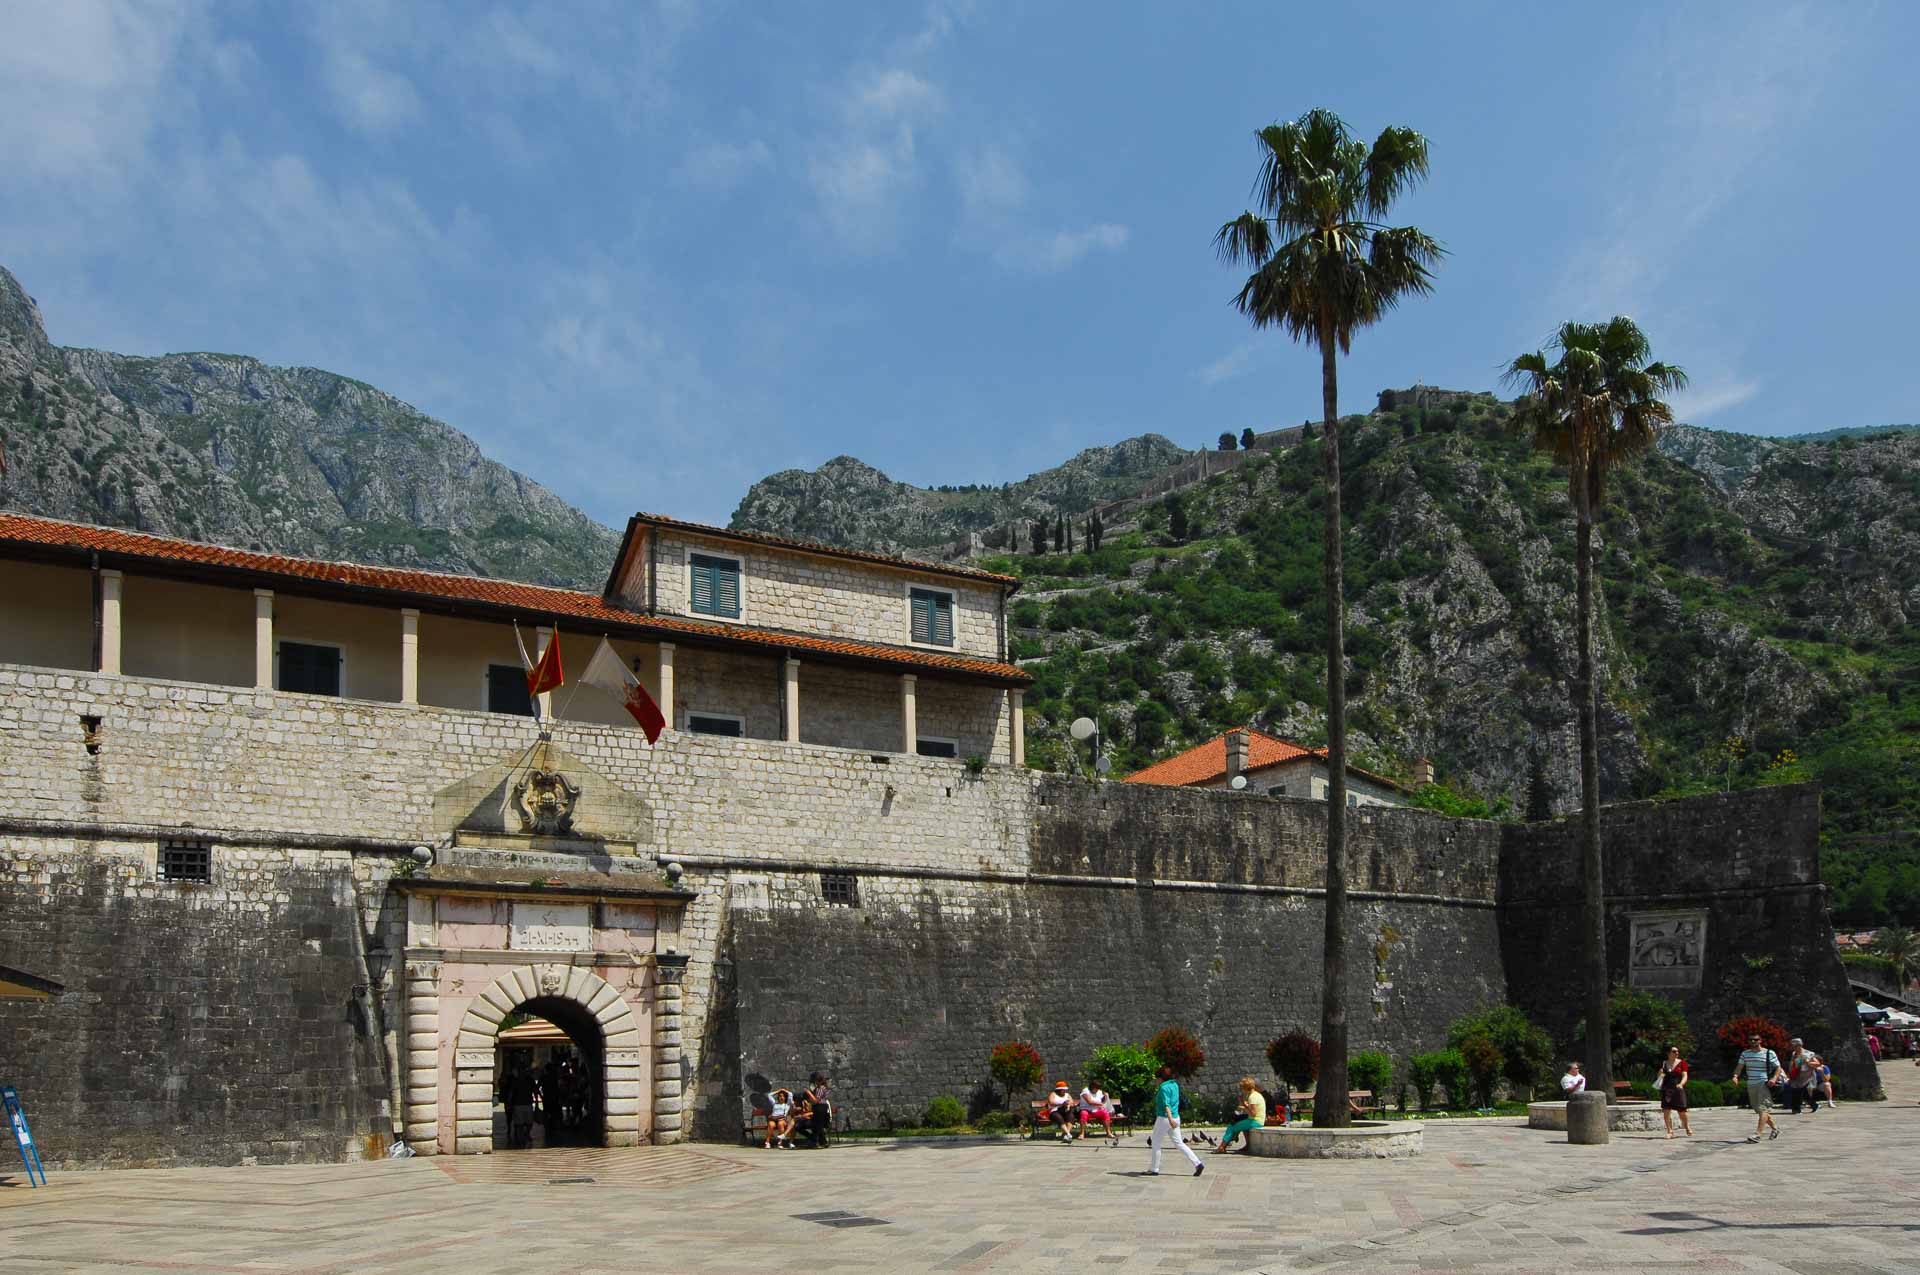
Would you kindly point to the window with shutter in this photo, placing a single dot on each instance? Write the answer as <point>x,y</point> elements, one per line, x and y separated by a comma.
<point>715,586</point>
<point>932,614</point>
<point>309,668</point>
<point>507,690</point>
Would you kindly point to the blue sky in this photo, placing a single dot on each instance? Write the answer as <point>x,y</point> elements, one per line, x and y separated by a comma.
<point>648,253</point>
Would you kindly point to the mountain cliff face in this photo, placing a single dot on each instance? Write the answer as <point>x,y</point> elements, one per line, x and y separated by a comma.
<point>289,460</point>
<point>1760,591</point>
<point>848,502</point>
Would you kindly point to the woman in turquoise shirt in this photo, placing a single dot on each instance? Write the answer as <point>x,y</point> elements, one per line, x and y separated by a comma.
<point>1166,1124</point>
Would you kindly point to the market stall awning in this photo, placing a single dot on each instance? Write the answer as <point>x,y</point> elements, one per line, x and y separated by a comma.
<point>1868,1014</point>
<point>18,985</point>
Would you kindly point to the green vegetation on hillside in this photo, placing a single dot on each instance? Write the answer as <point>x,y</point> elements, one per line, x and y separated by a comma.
<point>1460,574</point>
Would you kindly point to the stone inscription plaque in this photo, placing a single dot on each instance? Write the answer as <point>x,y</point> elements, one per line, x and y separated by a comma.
<point>1669,949</point>
<point>552,927</point>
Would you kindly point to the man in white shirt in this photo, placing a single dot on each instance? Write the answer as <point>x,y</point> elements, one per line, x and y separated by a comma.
<point>1573,1082</point>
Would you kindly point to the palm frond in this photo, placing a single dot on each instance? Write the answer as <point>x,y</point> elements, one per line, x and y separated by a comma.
<point>1397,161</point>
<point>1246,240</point>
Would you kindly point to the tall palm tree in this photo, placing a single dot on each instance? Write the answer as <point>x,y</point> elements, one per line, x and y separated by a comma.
<point>1323,266</point>
<point>1594,406</point>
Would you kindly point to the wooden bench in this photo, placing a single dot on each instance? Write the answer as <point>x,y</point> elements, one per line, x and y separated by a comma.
<point>1301,1104</point>
<point>1037,1119</point>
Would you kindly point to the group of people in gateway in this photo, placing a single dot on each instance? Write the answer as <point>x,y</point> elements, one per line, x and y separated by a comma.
<point>1798,1084</point>
<point>560,1096</point>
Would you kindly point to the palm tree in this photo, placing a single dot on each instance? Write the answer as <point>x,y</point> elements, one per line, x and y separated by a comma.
<point>1594,407</point>
<point>1901,946</point>
<point>1323,266</point>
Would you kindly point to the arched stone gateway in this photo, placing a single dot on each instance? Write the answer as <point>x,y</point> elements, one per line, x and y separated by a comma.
<point>473,1058</point>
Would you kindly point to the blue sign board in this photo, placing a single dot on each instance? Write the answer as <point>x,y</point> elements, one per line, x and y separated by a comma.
<point>17,1120</point>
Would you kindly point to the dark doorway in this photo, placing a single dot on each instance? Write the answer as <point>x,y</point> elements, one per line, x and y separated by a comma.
<point>563,1071</point>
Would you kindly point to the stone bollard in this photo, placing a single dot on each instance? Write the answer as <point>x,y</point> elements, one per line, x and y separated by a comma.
<point>1587,1119</point>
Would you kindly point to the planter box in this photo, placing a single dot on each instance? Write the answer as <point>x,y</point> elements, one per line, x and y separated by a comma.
<point>1364,1140</point>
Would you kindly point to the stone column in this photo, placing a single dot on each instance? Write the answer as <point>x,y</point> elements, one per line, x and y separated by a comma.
<point>110,586</point>
<point>1017,702</point>
<point>909,715</point>
<point>263,639</point>
<point>409,655</point>
<point>793,700</point>
<point>542,636</point>
<point>423,1055</point>
<point>669,1115</point>
<point>666,683</point>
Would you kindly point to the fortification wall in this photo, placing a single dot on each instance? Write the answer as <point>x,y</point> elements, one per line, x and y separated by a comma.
<point>1746,865</point>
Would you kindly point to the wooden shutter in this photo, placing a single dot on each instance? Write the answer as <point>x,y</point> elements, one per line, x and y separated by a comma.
<point>932,617</point>
<point>716,586</point>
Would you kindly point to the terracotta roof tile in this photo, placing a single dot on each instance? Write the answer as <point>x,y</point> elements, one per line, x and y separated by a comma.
<point>1205,763</point>
<point>531,599</point>
<point>832,551</point>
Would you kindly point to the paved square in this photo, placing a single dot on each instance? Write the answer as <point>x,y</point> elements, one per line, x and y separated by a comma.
<point>1837,1194</point>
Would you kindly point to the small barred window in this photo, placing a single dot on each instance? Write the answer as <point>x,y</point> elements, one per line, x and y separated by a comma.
<point>186,861</point>
<point>842,888</point>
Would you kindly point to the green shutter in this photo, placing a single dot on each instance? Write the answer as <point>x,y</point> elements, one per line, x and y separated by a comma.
<point>716,586</point>
<point>932,617</point>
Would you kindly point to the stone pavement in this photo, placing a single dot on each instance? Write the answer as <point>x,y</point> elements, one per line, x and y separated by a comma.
<point>1837,1194</point>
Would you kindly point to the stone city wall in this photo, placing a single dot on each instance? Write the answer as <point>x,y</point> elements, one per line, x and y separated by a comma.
<point>1744,867</point>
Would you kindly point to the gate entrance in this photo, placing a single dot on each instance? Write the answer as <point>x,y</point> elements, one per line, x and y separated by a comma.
<point>550,1077</point>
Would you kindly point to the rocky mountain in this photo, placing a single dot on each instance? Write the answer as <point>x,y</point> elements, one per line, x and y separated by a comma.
<point>291,460</point>
<point>848,502</point>
<point>1759,591</point>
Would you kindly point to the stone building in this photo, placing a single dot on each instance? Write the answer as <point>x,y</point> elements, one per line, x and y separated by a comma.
<point>290,900</point>
<point>1273,767</point>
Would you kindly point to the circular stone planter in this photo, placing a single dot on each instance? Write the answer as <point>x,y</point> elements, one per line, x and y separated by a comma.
<point>1363,1140</point>
<point>1634,1115</point>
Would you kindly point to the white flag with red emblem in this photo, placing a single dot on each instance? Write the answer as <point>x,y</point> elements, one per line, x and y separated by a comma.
<point>607,672</point>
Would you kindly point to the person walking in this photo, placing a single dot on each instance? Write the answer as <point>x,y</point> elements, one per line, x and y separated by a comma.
<point>1803,1077</point>
<point>1673,1090</point>
<point>1166,1124</point>
<point>1759,1067</point>
<point>1252,1112</point>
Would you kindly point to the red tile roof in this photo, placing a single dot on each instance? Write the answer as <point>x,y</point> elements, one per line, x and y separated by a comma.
<point>467,592</point>
<point>815,547</point>
<point>1207,763</point>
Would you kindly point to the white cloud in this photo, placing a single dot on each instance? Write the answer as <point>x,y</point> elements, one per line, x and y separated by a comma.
<point>720,166</point>
<point>86,83</point>
<point>1234,363</point>
<point>991,183</point>
<point>1048,254</point>
<point>863,169</point>
<point>882,97</point>
<point>371,98</point>
<point>1704,399</point>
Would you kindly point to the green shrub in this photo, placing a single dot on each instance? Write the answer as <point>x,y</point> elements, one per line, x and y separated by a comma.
<point>1707,1093</point>
<point>945,1112</point>
<point>1126,1071</point>
<point>995,1122</point>
<point>1485,1063</point>
<point>1642,1025</point>
<point>1295,1058</point>
<point>1370,1069</point>
<point>1526,1052</point>
<point>1423,1072</point>
<point>1450,1069</point>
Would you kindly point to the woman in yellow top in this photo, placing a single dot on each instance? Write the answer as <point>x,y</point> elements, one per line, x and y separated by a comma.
<point>1252,1112</point>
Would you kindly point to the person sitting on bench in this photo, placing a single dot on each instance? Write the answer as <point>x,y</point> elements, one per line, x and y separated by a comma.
<point>1060,1110</point>
<point>779,1119</point>
<point>1251,1113</point>
<point>1095,1105</point>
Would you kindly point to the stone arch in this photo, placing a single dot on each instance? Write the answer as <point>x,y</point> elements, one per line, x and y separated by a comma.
<point>473,1050</point>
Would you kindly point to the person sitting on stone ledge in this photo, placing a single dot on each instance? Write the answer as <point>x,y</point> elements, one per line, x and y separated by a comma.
<point>1251,1114</point>
<point>1573,1082</point>
<point>779,1120</point>
<point>1060,1110</point>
